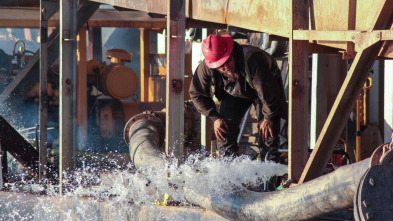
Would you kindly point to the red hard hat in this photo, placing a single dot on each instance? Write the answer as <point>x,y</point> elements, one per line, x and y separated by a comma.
<point>216,50</point>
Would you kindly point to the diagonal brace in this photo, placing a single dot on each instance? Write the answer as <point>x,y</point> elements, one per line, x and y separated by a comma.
<point>346,99</point>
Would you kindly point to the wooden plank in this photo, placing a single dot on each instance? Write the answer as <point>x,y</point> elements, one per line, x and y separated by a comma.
<point>346,99</point>
<point>145,63</point>
<point>298,93</point>
<point>175,79</point>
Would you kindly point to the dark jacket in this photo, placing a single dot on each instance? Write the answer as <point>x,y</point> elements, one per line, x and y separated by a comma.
<point>266,84</point>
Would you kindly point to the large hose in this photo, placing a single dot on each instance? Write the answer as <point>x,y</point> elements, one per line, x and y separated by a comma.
<point>144,134</point>
<point>332,192</point>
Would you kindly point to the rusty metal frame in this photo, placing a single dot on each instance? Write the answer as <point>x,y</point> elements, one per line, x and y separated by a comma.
<point>346,99</point>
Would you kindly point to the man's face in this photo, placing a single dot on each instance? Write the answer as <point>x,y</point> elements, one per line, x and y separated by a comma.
<point>228,69</point>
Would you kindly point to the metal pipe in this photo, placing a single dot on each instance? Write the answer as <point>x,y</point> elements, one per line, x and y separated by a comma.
<point>144,134</point>
<point>326,194</point>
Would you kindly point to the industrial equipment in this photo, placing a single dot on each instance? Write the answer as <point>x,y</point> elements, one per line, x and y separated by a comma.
<point>116,79</point>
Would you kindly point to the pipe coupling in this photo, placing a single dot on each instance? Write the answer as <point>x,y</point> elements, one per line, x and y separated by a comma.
<point>383,155</point>
<point>152,118</point>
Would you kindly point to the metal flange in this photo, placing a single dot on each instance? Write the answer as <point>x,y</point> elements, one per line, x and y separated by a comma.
<point>373,200</point>
<point>382,155</point>
<point>150,117</point>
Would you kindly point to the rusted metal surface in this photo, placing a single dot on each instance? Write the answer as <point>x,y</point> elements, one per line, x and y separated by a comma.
<point>248,14</point>
<point>123,19</point>
<point>175,79</point>
<point>298,93</point>
<point>152,6</point>
<point>346,99</point>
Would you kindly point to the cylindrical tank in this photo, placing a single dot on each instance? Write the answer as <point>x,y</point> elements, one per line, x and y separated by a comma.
<point>115,80</point>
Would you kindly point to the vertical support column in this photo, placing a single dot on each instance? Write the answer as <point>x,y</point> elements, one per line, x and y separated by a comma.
<point>206,135</point>
<point>206,123</point>
<point>43,96</point>
<point>4,165</point>
<point>95,43</point>
<point>67,87</point>
<point>381,98</point>
<point>145,63</point>
<point>388,101</point>
<point>82,89</point>
<point>318,95</point>
<point>175,79</point>
<point>298,92</point>
<point>2,153</point>
<point>346,98</point>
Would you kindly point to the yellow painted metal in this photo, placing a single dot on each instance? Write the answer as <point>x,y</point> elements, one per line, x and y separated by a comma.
<point>120,82</point>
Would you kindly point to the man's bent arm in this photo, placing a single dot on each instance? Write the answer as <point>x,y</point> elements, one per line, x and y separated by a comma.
<point>200,92</point>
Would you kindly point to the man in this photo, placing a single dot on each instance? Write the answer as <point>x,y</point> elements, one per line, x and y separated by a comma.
<point>240,76</point>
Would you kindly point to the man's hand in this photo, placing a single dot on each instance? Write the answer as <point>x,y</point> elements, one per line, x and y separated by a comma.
<point>220,127</point>
<point>265,128</point>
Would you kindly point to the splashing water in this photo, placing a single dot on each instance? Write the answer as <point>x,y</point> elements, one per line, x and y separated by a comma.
<point>147,185</point>
<point>204,176</point>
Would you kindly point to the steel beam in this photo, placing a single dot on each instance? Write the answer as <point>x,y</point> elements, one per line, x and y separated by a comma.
<point>47,9</point>
<point>18,147</point>
<point>346,99</point>
<point>298,93</point>
<point>145,63</point>
<point>68,63</point>
<point>175,79</point>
